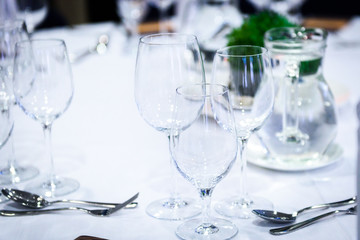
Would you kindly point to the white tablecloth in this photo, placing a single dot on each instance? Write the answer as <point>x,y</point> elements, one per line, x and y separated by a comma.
<point>104,143</point>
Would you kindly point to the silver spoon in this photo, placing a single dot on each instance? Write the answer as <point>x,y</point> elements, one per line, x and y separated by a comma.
<point>291,228</point>
<point>100,48</point>
<point>94,212</point>
<point>279,217</point>
<point>31,200</point>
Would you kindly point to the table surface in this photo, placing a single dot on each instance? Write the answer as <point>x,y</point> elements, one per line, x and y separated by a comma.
<point>104,143</point>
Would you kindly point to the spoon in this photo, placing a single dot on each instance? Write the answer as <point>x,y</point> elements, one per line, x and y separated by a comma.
<point>94,212</point>
<point>31,200</point>
<point>291,228</point>
<point>100,48</point>
<point>279,217</point>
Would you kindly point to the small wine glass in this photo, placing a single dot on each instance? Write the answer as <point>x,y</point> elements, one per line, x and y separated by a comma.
<point>33,12</point>
<point>165,61</point>
<point>132,12</point>
<point>204,147</point>
<point>6,120</point>
<point>43,89</point>
<point>163,6</point>
<point>10,33</point>
<point>247,72</point>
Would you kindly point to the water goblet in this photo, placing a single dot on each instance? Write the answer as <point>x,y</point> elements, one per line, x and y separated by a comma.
<point>247,72</point>
<point>11,32</point>
<point>204,148</point>
<point>164,62</point>
<point>43,89</point>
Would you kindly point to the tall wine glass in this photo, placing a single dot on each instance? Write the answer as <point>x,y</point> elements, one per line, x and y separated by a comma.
<point>6,121</point>
<point>132,12</point>
<point>247,71</point>
<point>33,12</point>
<point>10,33</point>
<point>164,62</point>
<point>204,148</point>
<point>163,6</point>
<point>43,89</point>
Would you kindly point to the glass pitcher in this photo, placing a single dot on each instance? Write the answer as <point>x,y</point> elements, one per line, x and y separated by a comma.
<point>303,123</point>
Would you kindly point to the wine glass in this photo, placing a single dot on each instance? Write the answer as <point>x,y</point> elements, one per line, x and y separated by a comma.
<point>10,33</point>
<point>163,6</point>
<point>247,72</point>
<point>33,12</point>
<point>131,13</point>
<point>204,148</point>
<point>43,89</point>
<point>6,121</point>
<point>165,61</point>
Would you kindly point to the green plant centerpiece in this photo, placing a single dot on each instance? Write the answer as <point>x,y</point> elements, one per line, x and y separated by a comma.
<point>252,32</point>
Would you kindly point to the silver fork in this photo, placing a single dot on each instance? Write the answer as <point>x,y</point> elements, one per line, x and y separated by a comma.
<point>296,226</point>
<point>94,212</point>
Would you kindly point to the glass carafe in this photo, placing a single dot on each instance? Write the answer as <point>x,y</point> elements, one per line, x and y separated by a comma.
<point>303,123</point>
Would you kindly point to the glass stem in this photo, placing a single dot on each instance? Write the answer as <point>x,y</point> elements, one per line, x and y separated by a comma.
<point>162,21</point>
<point>205,195</point>
<point>174,195</point>
<point>242,142</point>
<point>11,160</point>
<point>48,152</point>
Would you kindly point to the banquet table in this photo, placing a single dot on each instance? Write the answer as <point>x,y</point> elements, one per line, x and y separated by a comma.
<point>103,142</point>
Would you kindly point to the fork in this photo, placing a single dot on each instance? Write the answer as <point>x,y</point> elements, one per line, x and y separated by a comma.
<point>94,212</point>
<point>296,226</point>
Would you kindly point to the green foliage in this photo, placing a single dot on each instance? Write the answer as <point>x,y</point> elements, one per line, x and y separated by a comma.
<point>253,29</point>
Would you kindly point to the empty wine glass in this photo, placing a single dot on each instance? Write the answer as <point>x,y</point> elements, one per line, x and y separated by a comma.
<point>164,62</point>
<point>33,12</point>
<point>132,12</point>
<point>204,147</point>
<point>10,33</point>
<point>163,6</point>
<point>247,72</point>
<point>6,121</point>
<point>43,89</point>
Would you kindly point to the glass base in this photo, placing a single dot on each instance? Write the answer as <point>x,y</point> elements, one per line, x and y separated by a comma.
<point>173,209</point>
<point>216,229</point>
<point>59,187</point>
<point>236,207</point>
<point>12,175</point>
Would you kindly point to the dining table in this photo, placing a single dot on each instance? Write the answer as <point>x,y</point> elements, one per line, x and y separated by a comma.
<point>103,142</point>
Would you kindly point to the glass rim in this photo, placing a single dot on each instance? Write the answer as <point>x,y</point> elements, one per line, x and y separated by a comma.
<point>225,89</point>
<point>56,41</point>
<point>147,39</point>
<point>221,51</point>
<point>297,29</point>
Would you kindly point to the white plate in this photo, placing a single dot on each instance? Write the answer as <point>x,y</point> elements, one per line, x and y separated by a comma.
<point>258,157</point>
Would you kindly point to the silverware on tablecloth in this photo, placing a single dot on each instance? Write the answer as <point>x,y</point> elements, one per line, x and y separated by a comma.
<point>32,200</point>
<point>100,48</point>
<point>279,217</point>
<point>296,226</point>
<point>94,212</point>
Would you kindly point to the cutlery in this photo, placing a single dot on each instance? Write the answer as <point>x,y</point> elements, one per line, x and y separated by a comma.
<point>279,217</point>
<point>31,200</point>
<point>94,212</point>
<point>291,228</point>
<point>100,48</point>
